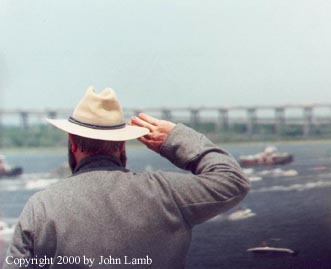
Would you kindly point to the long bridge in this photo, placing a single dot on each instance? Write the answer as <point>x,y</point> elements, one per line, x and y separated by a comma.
<point>305,115</point>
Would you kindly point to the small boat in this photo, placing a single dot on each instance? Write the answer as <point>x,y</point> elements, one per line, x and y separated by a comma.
<point>12,172</point>
<point>270,156</point>
<point>272,251</point>
<point>240,214</point>
<point>8,171</point>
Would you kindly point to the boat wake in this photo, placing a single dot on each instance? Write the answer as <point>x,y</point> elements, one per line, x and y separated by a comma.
<point>27,182</point>
<point>276,172</point>
<point>239,214</point>
<point>295,187</point>
<point>6,231</point>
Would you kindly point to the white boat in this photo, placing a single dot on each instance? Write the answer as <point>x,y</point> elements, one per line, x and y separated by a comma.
<point>272,251</point>
<point>241,214</point>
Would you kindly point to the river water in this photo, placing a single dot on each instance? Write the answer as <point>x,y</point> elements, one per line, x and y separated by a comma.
<point>290,207</point>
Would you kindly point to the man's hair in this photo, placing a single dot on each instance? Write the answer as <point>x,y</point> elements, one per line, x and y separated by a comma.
<point>95,146</point>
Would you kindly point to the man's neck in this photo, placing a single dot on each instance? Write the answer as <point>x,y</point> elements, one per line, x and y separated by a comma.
<point>79,155</point>
<point>98,162</point>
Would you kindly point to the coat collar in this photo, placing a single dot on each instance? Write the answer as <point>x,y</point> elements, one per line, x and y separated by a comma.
<point>99,162</point>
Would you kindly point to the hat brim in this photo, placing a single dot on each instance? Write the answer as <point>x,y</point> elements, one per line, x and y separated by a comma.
<point>128,132</point>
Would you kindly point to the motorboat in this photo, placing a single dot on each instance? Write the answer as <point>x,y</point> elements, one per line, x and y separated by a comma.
<point>242,213</point>
<point>270,156</point>
<point>8,171</point>
<point>12,172</point>
<point>272,251</point>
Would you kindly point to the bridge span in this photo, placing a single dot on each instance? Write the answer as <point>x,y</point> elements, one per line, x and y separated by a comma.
<point>305,115</point>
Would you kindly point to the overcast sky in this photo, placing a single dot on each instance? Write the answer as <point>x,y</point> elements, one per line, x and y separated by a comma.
<point>165,53</point>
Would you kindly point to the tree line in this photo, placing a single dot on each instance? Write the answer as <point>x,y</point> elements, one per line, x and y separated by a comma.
<point>48,136</point>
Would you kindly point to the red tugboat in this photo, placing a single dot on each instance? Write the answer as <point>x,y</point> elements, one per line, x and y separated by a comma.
<point>270,156</point>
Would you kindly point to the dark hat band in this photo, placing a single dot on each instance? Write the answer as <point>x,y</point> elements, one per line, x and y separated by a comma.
<point>100,127</point>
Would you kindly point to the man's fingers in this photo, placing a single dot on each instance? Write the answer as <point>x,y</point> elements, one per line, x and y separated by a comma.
<point>141,123</point>
<point>149,119</point>
<point>159,130</point>
<point>143,140</point>
<point>150,144</point>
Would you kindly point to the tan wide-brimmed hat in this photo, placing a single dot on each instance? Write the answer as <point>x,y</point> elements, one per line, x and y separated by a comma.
<point>99,116</point>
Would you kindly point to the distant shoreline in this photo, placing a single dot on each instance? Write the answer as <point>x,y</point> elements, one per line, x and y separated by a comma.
<point>45,137</point>
<point>137,145</point>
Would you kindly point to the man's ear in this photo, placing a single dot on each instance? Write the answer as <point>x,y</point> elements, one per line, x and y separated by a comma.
<point>73,146</point>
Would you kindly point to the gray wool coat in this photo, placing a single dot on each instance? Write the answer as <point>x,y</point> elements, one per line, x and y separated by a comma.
<point>105,216</point>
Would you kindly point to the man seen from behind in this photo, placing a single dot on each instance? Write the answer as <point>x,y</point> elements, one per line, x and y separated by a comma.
<point>105,216</point>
